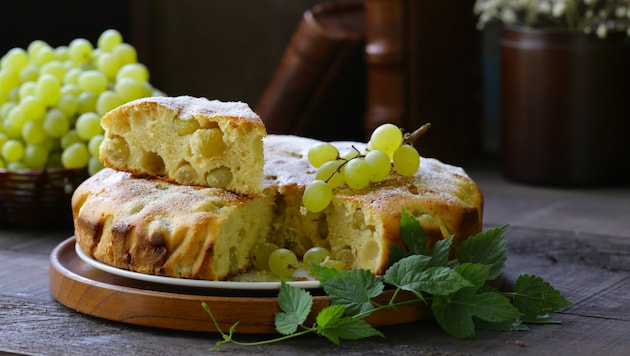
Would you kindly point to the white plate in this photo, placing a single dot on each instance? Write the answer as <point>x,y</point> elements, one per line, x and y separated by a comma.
<point>190,282</point>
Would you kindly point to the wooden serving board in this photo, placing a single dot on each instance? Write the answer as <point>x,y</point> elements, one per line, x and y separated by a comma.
<point>88,290</point>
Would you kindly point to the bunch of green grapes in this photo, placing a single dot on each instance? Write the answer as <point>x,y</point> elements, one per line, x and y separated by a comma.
<point>388,147</point>
<point>52,99</point>
<point>283,262</point>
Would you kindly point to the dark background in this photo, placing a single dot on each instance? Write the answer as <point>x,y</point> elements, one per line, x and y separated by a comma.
<point>229,49</point>
<point>221,49</point>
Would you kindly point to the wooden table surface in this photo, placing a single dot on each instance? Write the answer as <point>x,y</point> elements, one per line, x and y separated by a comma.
<point>576,239</point>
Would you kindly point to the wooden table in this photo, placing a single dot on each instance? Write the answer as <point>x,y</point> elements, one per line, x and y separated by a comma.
<point>577,239</point>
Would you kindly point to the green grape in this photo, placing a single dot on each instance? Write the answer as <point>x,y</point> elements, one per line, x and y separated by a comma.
<point>380,165</point>
<point>94,165</point>
<point>94,144</point>
<point>2,164</point>
<point>93,81</point>
<point>108,64</point>
<point>315,255</point>
<point>125,54</point>
<point>62,53</point>
<point>55,68</point>
<point>406,160</point>
<point>72,76</point>
<point>34,46</point>
<point>283,262</point>
<point>321,153</point>
<point>29,73</point>
<point>387,137</point>
<point>14,121</point>
<point>33,108</point>
<point>56,123</point>
<point>107,101</point>
<point>331,172</point>
<point>69,138</point>
<point>137,71</point>
<point>13,150</point>
<point>14,60</point>
<point>48,89</point>
<point>16,166</point>
<point>260,255</point>
<point>88,125</point>
<point>128,89</point>
<point>43,55</point>
<point>3,138</point>
<point>87,102</point>
<point>33,132</point>
<point>80,50</point>
<point>75,156</point>
<point>8,81</point>
<point>26,89</point>
<point>317,196</point>
<point>357,173</point>
<point>5,108</point>
<point>68,104</point>
<point>35,156</point>
<point>108,40</point>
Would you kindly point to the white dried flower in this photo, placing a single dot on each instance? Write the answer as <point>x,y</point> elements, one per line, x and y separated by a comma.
<point>559,9</point>
<point>602,31</point>
<point>620,11</point>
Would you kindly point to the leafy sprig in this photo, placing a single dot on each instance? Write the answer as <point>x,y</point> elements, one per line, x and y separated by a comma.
<point>456,291</point>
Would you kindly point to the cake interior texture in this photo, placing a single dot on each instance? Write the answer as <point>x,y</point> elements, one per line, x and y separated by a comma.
<point>157,227</point>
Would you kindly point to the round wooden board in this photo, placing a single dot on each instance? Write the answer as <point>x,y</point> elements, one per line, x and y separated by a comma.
<point>91,291</point>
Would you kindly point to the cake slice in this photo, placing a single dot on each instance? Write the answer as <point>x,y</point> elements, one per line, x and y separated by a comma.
<point>187,140</point>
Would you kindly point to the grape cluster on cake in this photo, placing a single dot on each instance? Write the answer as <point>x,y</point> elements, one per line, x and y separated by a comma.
<point>135,217</point>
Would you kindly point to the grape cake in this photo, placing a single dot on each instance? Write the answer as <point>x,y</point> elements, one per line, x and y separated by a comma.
<point>187,140</point>
<point>150,225</point>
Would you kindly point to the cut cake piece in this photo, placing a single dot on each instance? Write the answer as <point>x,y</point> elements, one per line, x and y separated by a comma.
<point>187,140</point>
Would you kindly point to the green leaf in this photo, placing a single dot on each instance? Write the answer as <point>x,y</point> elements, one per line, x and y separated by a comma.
<point>455,313</point>
<point>410,274</point>
<point>332,325</point>
<point>533,296</point>
<point>475,273</point>
<point>295,304</point>
<point>486,248</point>
<point>353,289</point>
<point>412,235</point>
<point>440,252</point>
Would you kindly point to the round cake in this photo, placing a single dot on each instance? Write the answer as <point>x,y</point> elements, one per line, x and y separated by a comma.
<point>153,226</point>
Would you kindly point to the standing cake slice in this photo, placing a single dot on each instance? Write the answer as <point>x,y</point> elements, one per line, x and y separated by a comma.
<point>187,140</point>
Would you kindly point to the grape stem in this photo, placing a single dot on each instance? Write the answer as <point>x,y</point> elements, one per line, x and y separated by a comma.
<point>411,138</point>
<point>345,161</point>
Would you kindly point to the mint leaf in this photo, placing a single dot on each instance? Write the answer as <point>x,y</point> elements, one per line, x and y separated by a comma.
<point>413,236</point>
<point>295,304</point>
<point>353,289</point>
<point>486,248</point>
<point>332,325</point>
<point>475,273</point>
<point>440,252</point>
<point>533,296</point>
<point>412,275</point>
<point>455,313</point>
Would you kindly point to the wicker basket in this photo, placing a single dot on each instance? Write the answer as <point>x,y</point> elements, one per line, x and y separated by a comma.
<point>38,198</point>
